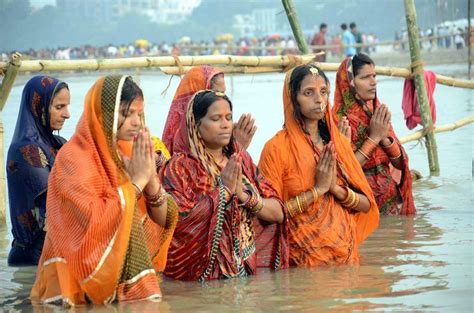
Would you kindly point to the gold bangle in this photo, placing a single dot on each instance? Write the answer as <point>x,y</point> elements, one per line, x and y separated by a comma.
<point>299,204</point>
<point>347,198</point>
<point>138,189</point>
<point>305,199</point>
<point>314,193</point>
<point>290,208</point>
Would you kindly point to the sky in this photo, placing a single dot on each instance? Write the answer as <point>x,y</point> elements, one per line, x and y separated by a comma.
<point>41,3</point>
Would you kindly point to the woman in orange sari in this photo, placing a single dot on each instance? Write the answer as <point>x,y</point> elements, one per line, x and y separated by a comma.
<point>375,144</point>
<point>231,221</point>
<point>313,169</point>
<point>196,79</point>
<point>109,220</point>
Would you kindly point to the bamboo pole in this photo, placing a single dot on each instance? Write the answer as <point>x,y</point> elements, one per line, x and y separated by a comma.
<point>439,129</point>
<point>5,88</point>
<point>295,26</point>
<point>231,64</point>
<point>469,56</point>
<point>417,70</point>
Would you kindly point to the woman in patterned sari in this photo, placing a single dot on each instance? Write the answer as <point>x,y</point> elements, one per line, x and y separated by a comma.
<point>109,220</point>
<point>231,221</point>
<point>43,109</point>
<point>375,144</point>
<point>312,167</point>
<point>196,79</point>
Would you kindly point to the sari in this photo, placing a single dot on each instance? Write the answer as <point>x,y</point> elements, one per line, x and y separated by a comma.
<point>197,78</point>
<point>216,238</point>
<point>392,196</point>
<point>325,233</point>
<point>30,158</point>
<point>101,245</point>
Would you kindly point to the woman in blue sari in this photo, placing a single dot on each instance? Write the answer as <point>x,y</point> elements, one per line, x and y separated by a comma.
<point>43,109</point>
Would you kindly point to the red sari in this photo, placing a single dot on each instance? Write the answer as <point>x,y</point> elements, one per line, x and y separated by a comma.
<point>214,239</point>
<point>392,196</point>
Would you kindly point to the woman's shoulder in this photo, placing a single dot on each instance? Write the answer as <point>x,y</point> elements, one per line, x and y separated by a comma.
<point>278,143</point>
<point>28,152</point>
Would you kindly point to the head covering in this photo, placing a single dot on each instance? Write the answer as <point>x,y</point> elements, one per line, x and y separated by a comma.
<point>198,78</point>
<point>359,115</point>
<point>100,241</point>
<point>30,157</point>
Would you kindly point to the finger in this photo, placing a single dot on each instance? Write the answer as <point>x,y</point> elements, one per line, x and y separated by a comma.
<point>250,124</point>
<point>253,131</point>
<point>241,120</point>
<point>245,121</point>
<point>388,117</point>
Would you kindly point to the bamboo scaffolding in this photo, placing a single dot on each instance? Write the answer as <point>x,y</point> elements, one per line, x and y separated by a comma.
<point>438,129</point>
<point>417,70</point>
<point>7,84</point>
<point>231,64</point>
<point>295,26</point>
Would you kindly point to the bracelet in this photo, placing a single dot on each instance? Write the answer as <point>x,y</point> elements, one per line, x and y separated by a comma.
<point>298,204</point>
<point>249,194</point>
<point>305,204</point>
<point>139,191</point>
<point>392,150</point>
<point>368,147</point>
<point>158,199</point>
<point>291,209</point>
<point>314,192</point>
<point>352,200</point>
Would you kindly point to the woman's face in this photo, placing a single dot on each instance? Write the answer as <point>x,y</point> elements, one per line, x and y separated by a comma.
<point>365,82</point>
<point>130,124</point>
<point>313,97</point>
<point>218,83</point>
<point>59,109</point>
<point>216,126</point>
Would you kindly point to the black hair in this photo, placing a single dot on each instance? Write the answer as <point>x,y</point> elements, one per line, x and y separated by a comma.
<point>323,25</point>
<point>58,88</point>
<point>359,60</point>
<point>297,76</point>
<point>344,26</point>
<point>130,92</point>
<point>201,104</point>
<point>352,25</point>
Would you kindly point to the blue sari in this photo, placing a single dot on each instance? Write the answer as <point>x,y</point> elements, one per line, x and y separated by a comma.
<point>30,159</point>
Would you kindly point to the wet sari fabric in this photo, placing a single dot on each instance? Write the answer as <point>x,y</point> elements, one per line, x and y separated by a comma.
<point>392,188</point>
<point>101,245</point>
<point>215,238</point>
<point>30,158</point>
<point>325,233</point>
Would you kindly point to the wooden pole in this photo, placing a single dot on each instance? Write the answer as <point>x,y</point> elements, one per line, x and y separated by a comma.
<point>469,55</point>
<point>439,129</point>
<point>5,88</point>
<point>417,71</point>
<point>295,26</point>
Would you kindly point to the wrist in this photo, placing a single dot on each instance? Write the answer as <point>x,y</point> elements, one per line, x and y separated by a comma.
<point>152,187</point>
<point>386,142</point>
<point>375,139</point>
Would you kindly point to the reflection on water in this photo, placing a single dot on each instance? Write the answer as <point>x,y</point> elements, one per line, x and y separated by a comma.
<point>409,263</point>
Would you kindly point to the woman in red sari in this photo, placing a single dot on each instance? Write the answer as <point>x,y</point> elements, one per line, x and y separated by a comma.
<point>230,219</point>
<point>196,79</point>
<point>375,144</point>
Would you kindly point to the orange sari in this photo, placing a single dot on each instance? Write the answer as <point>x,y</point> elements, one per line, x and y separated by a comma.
<point>325,233</point>
<point>100,245</point>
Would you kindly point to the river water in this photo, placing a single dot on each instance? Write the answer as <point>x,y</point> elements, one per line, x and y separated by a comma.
<point>422,263</point>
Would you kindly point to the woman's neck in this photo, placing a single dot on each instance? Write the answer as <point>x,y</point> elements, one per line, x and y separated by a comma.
<point>216,153</point>
<point>312,127</point>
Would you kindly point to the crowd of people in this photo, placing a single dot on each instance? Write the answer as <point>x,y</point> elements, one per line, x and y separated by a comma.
<point>105,213</point>
<point>345,42</point>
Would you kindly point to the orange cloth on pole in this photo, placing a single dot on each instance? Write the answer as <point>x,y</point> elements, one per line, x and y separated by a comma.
<point>100,244</point>
<point>325,233</point>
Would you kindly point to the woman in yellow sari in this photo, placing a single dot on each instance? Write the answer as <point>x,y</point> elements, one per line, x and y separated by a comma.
<point>313,169</point>
<point>109,220</point>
